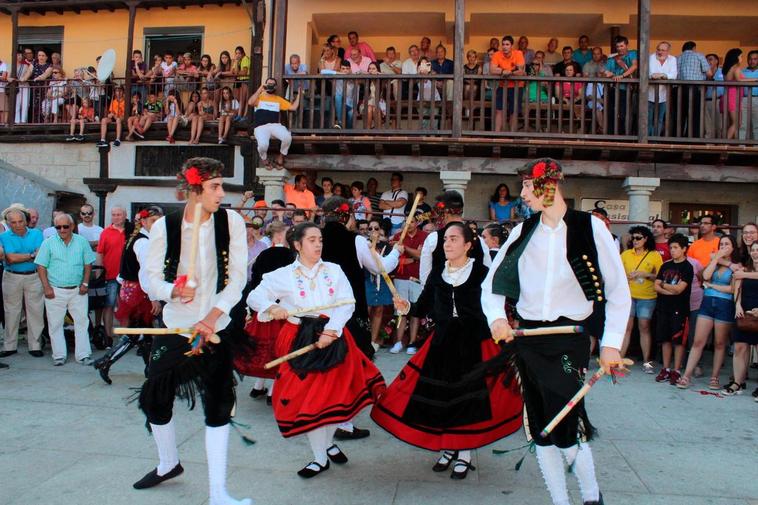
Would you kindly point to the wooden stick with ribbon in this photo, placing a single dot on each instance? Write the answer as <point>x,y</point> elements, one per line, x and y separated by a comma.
<point>192,266</point>
<point>161,331</point>
<point>550,330</point>
<point>310,347</point>
<point>410,218</point>
<point>577,398</point>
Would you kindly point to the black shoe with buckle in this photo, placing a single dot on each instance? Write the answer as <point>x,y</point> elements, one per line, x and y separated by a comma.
<point>461,468</point>
<point>357,433</point>
<point>598,502</point>
<point>443,463</point>
<point>152,479</point>
<point>257,393</point>
<point>309,471</point>
<point>336,455</point>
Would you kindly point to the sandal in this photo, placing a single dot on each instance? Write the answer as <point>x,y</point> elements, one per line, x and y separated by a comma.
<point>714,384</point>
<point>683,382</point>
<point>732,389</point>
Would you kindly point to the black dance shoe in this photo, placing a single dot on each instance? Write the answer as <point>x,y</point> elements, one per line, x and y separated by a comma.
<point>5,354</point>
<point>598,502</point>
<point>307,472</point>
<point>443,463</point>
<point>336,457</point>
<point>153,479</point>
<point>357,433</point>
<point>36,354</point>
<point>269,401</point>
<point>103,366</point>
<point>257,393</point>
<point>460,469</point>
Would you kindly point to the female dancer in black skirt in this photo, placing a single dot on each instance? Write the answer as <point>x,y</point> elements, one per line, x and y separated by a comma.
<point>443,399</point>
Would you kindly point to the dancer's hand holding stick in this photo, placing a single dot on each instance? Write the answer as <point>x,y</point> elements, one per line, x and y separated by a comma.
<point>385,275</point>
<point>410,218</point>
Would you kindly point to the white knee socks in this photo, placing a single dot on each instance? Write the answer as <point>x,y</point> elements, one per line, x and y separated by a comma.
<point>348,426</point>
<point>465,456</point>
<point>584,468</point>
<point>551,465</point>
<point>216,446</point>
<point>320,440</point>
<point>165,439</point>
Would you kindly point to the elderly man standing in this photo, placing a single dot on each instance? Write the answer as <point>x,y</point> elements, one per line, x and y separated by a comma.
<point>21,284</point>
<point>64,263</point>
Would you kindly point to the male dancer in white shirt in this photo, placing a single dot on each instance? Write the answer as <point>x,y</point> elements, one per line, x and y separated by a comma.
<point>202,303</point>
<point>555,266</point>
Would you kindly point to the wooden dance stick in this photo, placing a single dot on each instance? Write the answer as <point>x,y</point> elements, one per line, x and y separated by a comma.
<point>577,398</point>
<point>410,218</point>
<point>196,217</point>
<point>307,348</point>
<point>385,275</point>
<point>161,331</point>
<point>555,330</point>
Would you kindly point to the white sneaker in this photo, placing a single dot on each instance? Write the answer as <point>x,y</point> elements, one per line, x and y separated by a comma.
<point>411,350</point>
<point>396,348</point>
<point>648,367</point>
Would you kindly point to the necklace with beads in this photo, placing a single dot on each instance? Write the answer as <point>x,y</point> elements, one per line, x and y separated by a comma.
<point>312,279</point>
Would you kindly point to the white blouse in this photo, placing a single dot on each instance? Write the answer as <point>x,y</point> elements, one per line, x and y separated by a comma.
<point>298,287</point>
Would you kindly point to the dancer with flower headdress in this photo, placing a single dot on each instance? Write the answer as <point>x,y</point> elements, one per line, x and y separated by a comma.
<point>196,263</point>
<point>135,307</point>
<point>555,267</point>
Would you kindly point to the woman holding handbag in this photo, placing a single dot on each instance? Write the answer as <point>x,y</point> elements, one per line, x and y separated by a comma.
<point>746,312</point>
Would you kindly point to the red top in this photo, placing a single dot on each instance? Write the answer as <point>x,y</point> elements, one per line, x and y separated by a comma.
<point>409,267</point>
<point>110,247</point>
<point>663,250</point>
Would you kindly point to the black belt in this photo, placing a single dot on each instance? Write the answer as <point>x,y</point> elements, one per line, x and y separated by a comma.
<point>22,273</point>
<point>66,287</point>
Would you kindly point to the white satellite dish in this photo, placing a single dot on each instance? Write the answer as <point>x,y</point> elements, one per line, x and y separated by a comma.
<point>106,64</point>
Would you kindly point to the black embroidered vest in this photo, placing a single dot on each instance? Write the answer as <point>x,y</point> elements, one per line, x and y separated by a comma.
<point>129,270</point>
<point>339,248</point>
<point>581,253</point>
<point>174,243</point>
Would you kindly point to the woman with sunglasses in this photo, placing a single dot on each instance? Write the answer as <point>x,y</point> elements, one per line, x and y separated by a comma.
<point>641,263</point>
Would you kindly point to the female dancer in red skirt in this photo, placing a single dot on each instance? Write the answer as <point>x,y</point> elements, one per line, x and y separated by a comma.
<point>331,384</point>
<point>444,399</point>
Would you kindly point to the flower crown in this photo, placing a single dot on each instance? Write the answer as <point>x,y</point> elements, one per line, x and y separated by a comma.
<point>192,178</point>
<point>544,174</point>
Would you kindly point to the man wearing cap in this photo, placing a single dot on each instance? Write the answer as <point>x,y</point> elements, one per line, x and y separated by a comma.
<point>19,245</point>
<point>555,266</point>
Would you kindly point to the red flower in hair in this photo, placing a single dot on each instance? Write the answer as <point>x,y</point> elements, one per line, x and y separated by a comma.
<point>539,170</point>
<point>193,177</point>
<point>440,205</point>
<point>344,208</point>
<point>143,214</point>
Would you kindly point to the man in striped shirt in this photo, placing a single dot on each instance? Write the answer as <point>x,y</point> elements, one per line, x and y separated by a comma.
<point>64,262</point>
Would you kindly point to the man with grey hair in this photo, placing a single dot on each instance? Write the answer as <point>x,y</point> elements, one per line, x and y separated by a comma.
<point>64,263</point>
<point>295,67</point>
<point>21,285</point>
<point>109,249</point>
<point>33,218</point>
<point>662,66</point>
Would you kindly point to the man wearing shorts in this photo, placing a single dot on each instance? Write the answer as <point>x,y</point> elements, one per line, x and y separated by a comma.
<point>407,280</point>
<point>673,285</point>
<point>109,249</point>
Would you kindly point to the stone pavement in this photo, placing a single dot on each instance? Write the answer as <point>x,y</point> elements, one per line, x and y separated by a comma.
<point>66,438</point>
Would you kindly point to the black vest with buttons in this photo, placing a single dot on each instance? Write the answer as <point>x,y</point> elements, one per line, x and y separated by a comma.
<point>174,245</point>
<point>129,270</point>
<point>581,253</point>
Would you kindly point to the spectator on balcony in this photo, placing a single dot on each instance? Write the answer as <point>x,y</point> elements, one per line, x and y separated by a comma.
<point>116,112</point>
<point>443,66</point>
<point>55,60</point>
<point>359,203</point>
<point>583,53</point>
<point>712,113</point>
<point>206,111</point>
<point>228,108</point>
<point>750,99</point>
<point>661,241</point>
<point>571,93</point>
<point>733,71</point>
<point>691,66</point>
<point>41,72</point>
<point>376,107</point>
<point>206,71</point>
<point>329,62</point>
<point>492,49</point>
<point>335,43</point>
<point>393,202</point>
<point>662,67</point>
<point>470,86</point>
<point>186,77</point>
<point>135,116</point>
<point>502,205</point>
<point>299,196</point>
<point>152,111</point>
<point>523,46</point>
<point>155,75</point>
<point>568,59</point>
<point>596,66</point>
<point>295,67</point>
<point>344,93</point>
<point>508,62</point>
<point>3,99</point>
<point>55,96</point>
<point>327,184</point>
<point>410,65</point>
<point>552,56</point>
<point>140,75</point>
<point>190,108</point>
<point>623,65</point>
<point>224,75</point>
<point>539,69</point>
<point>428,96</point>
<point>391,65</point>
<point>23,74</point>
<point>267,110</point>
<point>85,114</point>
<point>425,48</point>
<point>168,71</point>
<point>362,47</point>
<point>241,70</point>
<point>358,62</point>
<point>172,112</point>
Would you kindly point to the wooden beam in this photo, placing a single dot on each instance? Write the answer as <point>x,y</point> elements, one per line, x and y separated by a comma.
<point>132,4</point>
<point>12,59</point>
<point>280,33</point>
<point>460,27</point>
<point>643,55</point>
<point>256,48</point>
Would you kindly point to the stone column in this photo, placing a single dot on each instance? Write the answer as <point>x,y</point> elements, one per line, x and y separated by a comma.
<point>639,190</point>
<point>273,183</point>
<point>455,180</point>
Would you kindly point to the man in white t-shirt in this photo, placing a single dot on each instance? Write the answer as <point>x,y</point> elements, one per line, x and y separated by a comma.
<point>87,228</point>
<point>393,202</point>
<point>168,67</point>
<point>410,65</point>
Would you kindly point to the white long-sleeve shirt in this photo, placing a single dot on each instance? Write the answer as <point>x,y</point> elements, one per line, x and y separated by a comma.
<point>427,250</point>
<point>549,288</point>
<point>366,258</point>
<point>668,67</point>
<point>140,249</point>
<point>292,286</point>
<point>177,314</point>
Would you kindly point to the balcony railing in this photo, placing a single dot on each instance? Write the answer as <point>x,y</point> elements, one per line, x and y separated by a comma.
<point>686,112</point>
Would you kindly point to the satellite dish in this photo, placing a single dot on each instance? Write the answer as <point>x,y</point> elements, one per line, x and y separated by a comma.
<point>106,64</point>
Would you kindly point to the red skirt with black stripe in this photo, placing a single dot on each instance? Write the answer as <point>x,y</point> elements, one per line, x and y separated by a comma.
<point>304,403</point>
<point>263,349</point>
<point>454,430</point>
<point>134,307</point>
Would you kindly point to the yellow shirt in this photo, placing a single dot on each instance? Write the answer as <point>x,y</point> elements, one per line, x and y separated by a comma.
<point>651,263</point>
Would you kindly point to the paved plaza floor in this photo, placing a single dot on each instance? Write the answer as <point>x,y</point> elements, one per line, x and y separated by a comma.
<point>67,438</point>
